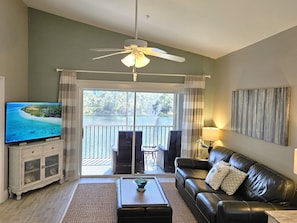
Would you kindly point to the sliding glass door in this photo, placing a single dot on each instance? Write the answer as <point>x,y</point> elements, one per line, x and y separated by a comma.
<point>105,112</point>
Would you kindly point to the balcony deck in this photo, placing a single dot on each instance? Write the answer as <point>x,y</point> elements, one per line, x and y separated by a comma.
<point>98,167</point>
<point>99,139</point>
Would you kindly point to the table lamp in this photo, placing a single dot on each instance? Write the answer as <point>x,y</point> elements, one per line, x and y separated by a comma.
<point>210,134</point>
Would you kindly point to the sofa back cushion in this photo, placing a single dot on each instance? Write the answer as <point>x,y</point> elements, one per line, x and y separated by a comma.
<point>217,154</point>
<point>241,162</point>
<point>264,184</point>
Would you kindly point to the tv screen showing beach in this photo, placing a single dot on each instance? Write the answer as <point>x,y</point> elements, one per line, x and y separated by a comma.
<point>27,121</point>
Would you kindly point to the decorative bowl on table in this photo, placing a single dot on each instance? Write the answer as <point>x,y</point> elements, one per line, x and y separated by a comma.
<point>140,182</point>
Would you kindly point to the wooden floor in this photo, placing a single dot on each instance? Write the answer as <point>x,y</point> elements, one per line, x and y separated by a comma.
<point>48,204</point>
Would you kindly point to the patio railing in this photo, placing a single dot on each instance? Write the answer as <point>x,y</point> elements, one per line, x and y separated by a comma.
<point>98,139</point>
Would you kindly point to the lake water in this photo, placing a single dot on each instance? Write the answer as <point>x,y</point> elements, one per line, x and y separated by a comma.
<point>151,120</point>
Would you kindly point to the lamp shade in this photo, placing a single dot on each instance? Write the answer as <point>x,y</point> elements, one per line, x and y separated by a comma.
<point>210,134</point>
<point>138,59</point>
<point>295,161</point>
<point>141,61</point>
<point>129,60</point>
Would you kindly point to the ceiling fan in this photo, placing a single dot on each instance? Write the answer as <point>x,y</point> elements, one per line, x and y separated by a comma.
<point>137,50</point>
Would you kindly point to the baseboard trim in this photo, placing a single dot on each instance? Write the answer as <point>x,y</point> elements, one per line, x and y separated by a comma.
<point>4,196</point>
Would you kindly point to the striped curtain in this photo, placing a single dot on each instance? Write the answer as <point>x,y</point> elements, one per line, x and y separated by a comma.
<point>67,95</point>
<point>192,115</point>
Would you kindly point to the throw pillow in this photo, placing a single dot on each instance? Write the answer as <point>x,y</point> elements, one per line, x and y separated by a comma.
<point>217,174</point>
<point>233,180</point>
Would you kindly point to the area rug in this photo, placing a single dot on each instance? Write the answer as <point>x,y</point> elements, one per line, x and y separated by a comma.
<point>97,203</point>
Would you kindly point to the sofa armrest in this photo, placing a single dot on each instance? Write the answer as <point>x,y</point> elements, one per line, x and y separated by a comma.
<point>191,163</point>
<point>244,211</point>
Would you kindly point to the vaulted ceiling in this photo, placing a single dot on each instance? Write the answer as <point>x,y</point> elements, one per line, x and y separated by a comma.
<point>211,28</point>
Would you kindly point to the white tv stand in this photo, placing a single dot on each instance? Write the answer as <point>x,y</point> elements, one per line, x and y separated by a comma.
<point>34,165</point>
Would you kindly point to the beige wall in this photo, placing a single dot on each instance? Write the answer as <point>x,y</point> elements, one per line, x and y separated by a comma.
<point>269,63</point>
<point>14,48</point>
<point>13,58</point>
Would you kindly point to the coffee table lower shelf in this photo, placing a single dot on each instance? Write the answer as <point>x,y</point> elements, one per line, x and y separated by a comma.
<point>145,207</point>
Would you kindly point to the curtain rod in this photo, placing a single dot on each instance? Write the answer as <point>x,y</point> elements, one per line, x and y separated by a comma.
<point>119,72</point>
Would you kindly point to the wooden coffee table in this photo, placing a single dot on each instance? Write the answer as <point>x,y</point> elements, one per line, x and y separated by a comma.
<point>145,207</point>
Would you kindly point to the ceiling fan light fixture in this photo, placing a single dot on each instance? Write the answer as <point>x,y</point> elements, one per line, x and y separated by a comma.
<point>141,61</point>
<point>138,60</point>
<point>129,60</point>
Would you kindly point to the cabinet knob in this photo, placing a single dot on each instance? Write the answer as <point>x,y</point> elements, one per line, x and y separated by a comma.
<point>33,151</point>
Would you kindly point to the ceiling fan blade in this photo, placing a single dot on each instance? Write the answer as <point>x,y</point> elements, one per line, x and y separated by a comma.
<point>148,50</point>
<point>167,56</point>
<point>111,54</point>
<point>105,50</point>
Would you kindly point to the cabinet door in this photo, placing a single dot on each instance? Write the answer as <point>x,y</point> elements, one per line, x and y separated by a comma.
<point>32,171</point>
<point>51,165</point>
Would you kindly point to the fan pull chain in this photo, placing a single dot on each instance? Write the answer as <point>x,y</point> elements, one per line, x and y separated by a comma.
<point>134,74</point>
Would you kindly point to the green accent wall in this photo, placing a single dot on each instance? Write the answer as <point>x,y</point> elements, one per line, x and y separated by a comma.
<point>56,42</point>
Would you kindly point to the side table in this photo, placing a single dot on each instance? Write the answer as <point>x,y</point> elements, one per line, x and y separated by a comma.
<point>282,216</point>
<point>150,151</point>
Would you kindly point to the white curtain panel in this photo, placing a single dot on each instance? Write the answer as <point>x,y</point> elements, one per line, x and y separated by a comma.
<point>193,106</point>
<point>67,95</point>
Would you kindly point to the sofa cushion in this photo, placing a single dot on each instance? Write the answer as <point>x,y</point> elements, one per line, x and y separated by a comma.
<point>233,180</point>
<point>241,162</point>
<point>185,173</point>
<point>217,154</point>
<point>264,184</point>
<point>217,174</point>
<point>195,186</point>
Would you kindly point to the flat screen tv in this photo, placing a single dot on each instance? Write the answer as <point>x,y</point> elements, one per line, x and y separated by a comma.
<point>29,121</point>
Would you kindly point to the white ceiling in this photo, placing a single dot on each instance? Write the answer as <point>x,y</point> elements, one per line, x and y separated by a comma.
<point>212,28</point>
